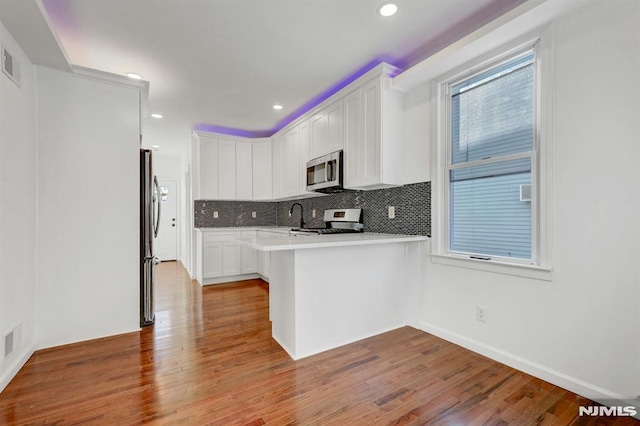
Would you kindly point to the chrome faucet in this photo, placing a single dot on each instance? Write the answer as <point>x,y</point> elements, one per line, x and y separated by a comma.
<point>301,213</point>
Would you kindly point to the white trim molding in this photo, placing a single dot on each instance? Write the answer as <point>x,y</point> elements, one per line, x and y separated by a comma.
<point>540,40</point>
<point>573,384</point>
<point>11,372</point>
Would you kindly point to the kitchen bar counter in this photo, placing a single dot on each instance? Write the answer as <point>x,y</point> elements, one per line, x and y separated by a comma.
<point>313,241</point>
<point>326,291</point>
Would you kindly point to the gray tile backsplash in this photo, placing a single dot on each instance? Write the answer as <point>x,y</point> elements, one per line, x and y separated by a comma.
<point>233,213</point>
<point>412,210</point>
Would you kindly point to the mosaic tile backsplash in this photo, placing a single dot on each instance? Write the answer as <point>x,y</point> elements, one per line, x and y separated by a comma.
<point>412,210</point>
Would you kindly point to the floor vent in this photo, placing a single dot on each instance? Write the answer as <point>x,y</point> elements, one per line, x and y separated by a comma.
<point>10,66</point>
<point>8,344</point>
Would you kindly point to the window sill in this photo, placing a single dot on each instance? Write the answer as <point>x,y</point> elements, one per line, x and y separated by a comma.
<point>518,270</point>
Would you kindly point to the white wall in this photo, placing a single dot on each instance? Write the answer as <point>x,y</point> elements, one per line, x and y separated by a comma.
<point>581,330</point>
<point>88,208</point>
<point>417,129</point>
<point>17,211</point>
<point>167,166</point>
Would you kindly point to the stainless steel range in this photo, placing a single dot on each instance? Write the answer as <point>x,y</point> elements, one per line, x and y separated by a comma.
<point>337,221</point>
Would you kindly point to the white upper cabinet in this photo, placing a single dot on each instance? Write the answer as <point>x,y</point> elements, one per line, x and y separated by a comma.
<point>353,141</point>
<point>304,156</point>
<point>262,171</point>
<point>373,139</point>
<point>290,156</point>
<point>227,169</point>
<point>364,119</point>
<point>291,176</point>
<point>244,171</point>
<point>207,163</point>
<point>277,161</point>
<point>327,130</point>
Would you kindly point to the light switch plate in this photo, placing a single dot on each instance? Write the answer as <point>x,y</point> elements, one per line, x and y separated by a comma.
<point>215,215</point>
<point>254,215</point>
<point>313,213</point>
<point>392,212</point>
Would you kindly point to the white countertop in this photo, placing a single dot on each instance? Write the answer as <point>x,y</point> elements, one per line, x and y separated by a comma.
<point>297,242</point>
<point>278,229</point>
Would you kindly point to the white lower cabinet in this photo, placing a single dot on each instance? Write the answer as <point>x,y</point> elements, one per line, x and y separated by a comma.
<point>212,259</point>
<point>264,257</point>
<point>249,255</point>
<point>220,258</point>
<point>231,258</point>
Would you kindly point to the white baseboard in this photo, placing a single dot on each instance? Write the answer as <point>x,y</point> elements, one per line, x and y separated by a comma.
<point>580,387</point>
<point>11,372</point>
<point>230,279</point>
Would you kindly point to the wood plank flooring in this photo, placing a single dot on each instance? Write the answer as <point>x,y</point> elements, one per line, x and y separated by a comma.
<point>210,359</point>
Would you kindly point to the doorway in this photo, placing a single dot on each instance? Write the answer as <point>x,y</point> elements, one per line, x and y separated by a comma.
<point>166,243</point>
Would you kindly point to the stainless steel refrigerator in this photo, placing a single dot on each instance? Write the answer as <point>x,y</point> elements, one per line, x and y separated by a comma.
<point>149,224</point>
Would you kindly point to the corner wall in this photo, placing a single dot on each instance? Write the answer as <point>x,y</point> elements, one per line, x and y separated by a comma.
<point>18,206</point>
<point>581,330</point>
<point>88,240</point>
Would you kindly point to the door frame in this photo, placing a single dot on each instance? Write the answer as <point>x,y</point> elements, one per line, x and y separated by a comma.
<point>176,180</point>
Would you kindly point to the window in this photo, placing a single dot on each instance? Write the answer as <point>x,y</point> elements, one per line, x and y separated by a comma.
<point>490,170</point>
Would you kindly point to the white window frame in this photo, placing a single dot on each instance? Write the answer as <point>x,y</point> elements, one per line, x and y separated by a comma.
<point>539,266</point>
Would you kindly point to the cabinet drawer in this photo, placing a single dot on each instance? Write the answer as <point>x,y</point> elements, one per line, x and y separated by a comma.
<point>220,236</point>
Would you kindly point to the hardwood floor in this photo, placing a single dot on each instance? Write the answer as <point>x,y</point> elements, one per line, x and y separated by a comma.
<point>210,359</point>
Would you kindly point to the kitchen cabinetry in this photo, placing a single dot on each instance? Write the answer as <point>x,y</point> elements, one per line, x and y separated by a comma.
<point>278,162</point>
<point>327,130</point>
<point>244,171</point>
<point>221,258</point>
<point>290,154</point>
<point>249,255</point>
<point>231,258</point>
<point>373,148</point>
<point>206,157</point>
<point>212,259</point>
<point>227,169</point>
<point>264,257</point>
<point>262,171</point>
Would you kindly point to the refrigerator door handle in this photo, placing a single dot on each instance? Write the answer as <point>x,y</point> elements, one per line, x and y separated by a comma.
<point>156,198</point>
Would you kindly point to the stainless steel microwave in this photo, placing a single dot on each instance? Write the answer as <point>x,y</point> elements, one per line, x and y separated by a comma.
<point>324,174</point>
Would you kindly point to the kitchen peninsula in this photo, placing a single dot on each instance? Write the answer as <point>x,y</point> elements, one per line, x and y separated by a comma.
<point>329,290</point>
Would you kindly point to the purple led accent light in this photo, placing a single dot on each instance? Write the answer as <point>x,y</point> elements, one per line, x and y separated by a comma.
<point>61,14</point>
<point>317,100</point>
<point>326,94</point>
<point>231,131</point>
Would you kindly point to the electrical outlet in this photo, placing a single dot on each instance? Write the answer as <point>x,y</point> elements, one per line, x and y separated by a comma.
<point>289,214</point>
<point>313,213</point>
<point>392,212</point>
<point>254,215</point>
<point>215,215</point>
<point>481,313</point>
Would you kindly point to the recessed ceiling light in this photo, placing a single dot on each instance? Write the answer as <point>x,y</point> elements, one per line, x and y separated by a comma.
<point>156,115</point>
<point>387,9</point>
<point>277,107</point>
<point>155,147</point>
<point>134,76</point>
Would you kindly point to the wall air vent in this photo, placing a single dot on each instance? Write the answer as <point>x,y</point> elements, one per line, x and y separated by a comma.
<point>525,192</point>
<point>8,344</point>
<point>12,340</point>
<point>10,66</point>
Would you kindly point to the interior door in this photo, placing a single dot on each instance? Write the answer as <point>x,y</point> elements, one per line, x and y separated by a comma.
<point>166,243</point>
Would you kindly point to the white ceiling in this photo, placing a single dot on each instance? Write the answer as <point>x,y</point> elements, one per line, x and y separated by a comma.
<point>226,62</point>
